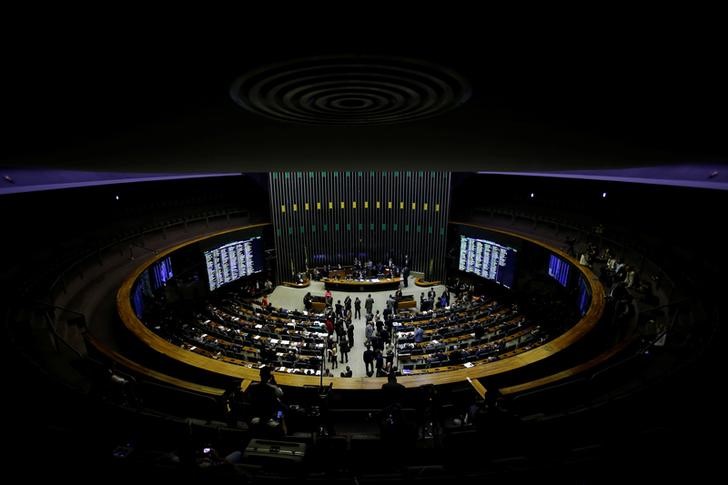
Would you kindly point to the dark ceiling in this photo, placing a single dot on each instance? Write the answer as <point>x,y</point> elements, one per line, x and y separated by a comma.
<point>119,99</point>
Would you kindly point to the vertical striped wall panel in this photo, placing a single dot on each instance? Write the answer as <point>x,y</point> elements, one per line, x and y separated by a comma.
<point>331,217</point>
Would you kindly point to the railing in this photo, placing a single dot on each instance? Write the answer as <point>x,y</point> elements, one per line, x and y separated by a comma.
<point>140,232</point>
<point>628,246</point>
<point>634,252</point>
<point>59,283</point>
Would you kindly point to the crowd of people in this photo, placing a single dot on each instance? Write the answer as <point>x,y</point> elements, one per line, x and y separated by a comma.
<point>619,278</point>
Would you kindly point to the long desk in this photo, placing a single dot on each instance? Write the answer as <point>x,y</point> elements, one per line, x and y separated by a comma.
<point>380,284</point>
<point>291,284</point>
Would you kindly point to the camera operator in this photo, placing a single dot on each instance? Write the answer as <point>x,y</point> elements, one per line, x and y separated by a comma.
<point>266,404</point>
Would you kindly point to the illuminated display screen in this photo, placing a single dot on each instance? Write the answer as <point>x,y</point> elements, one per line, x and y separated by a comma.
<point>488,259</point>
<point>584,295</point>
<point>151,280</point>
<point>559,269</point>
<point>233,261</point>
<point>160,273</point>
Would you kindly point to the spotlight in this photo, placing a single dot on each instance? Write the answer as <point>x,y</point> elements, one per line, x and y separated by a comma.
<point>604,195</point>
<point>533,195</point>
<point>116,197</point>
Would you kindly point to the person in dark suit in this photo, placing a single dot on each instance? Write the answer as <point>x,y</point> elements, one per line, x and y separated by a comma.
<point>357,308</point>
<point>350,334</point>
<point>344,349</point>
<point>339,309</point>
<point>393,428</point>
<point>369,304</point>
<point>369,361</point>
<point>265,400</point>
<point>393,391</point>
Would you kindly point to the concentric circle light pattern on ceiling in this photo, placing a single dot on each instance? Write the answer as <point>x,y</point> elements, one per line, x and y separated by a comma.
<point>355,91</point>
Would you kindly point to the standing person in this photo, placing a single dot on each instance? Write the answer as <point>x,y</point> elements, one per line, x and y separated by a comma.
<point>380,325</point>
<point>379,363</point>
<point>389,355</point>
<point>369,332</point>
<point>385,336</point>
<point>332,357</point>
<point>405,276</point>
<point>307,301</point>
<point>369,304</point>
<point>339,309</point>
<point>350,334</point>
<point>584,260</point>
<point>344,348</point>
<point>340,329</point>
<point>419,334</point>
<point>390,304</point>
<point>357,308</point>
<point>393,428</point>
<point>369,361</point>
<point>629,279</point>
<point>393,391</point>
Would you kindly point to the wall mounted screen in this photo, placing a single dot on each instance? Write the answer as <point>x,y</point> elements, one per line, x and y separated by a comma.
<point>233,261</point>
<point>161,272</point>
<point>488,259</point>
<point>559,270</point>
<point>151,280</point>
<point>137,299</point>
<point>584,295</point>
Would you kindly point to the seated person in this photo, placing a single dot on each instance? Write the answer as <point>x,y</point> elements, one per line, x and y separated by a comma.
<point>265,400</point>
<point>393,391</point>
<point>347,373</point>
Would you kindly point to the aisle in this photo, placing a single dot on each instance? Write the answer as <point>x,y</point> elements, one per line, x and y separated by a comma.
<point>292,299</point>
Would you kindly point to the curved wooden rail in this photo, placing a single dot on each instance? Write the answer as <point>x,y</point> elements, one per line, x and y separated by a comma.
<point>151,373</point>
<point>574,334</point>
<point>570,372</point>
